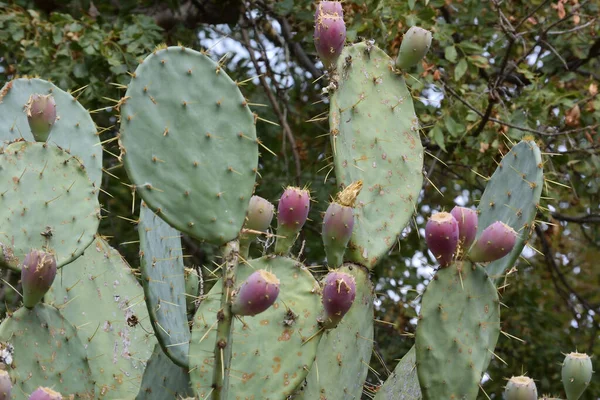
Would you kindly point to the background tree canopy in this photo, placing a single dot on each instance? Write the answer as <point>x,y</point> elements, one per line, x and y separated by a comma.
<point>497,71</point>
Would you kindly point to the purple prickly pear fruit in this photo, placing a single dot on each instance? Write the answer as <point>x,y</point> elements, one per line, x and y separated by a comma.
<point>292,213</point>
<point>339,292</point>
<point>496,241</point>
<point>258,292</point>
<point>258,218</point>
<point>41,114</point>
<point>37,275</point>
<point>414,47</point>
<point>337,230</point>
<point>330,31</point>
<point>467,225</point>
<point>43,393</point>
<point>441,235</point>
<point>5,385</point>
<point>520,388</point>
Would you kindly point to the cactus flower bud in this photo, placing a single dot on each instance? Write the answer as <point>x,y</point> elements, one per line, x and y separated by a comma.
<point>414,47</point>
<point>496,241</point>
<point>37,275</point>
<point>520,388</point>
<point>467,225</point>
<point>41,115</point>
<point>330,31</point>
<point>5,385</point>
<point>441,235</point>
<point>339,291</point>
<point>43,393</point>
<point>292,213</point>
<point>576,374</point>
<point>258,292</point>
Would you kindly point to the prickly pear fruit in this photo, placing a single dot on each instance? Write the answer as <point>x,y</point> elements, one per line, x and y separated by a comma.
<point>41,114</point>
<point>192,283</point>
<point>43,393</point>
<point>258,218</point>
<point>520,388</point>
<point>414,47</point>
<point>467,225</point>
<point>330,31</point>
<point>576,374</point>
<point>339,291</point>
<point>292,213</point>
<point>441,235</point>
<point>37,275</point>
<point>337,230</point>
<point>5,385</point>
<point>496,241</point>
<point>256,294</point>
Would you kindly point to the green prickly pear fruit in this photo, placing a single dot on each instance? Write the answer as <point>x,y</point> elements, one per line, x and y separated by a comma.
<point>41,115</point>
<point>37,275</point>
<point>414,47</point>
<point>192,284</point>
<point>330,31</point>
<point>292,212</point>
<point>43,393</point>
<point>576,374</point>
<point>5,385</point>
<point>258,218</point>
<point>258,292</point>
<point>520,388</point>
<point>441,235</point>
<point>467,225</point>
<point>496,241</point>
<point>339,291</point>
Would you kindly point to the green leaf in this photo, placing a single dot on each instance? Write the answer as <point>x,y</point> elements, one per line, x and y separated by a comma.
<point>460,69</point>
<point>454,128</point>
<point>438,136</point>
<point>411,4</point>
<point>450,54</point>
<point>284,7</point>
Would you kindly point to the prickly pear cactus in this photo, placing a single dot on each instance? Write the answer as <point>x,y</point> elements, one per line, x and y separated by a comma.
<point>403,383</point>
<point>188,142</point>
<point>375,138</point>
<point>47,352</point>
<point>73,130</point>
<point>99,294</point>
<point>272,351</point>
<point>49,202</point>
<point>164,284</point>
<point>163,379</point>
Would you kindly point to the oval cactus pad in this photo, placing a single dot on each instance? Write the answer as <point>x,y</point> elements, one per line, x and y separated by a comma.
<point>188,141</point>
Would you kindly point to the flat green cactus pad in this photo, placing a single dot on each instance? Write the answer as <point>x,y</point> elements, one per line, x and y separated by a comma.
<point>375,138</point>
<point>343,356</point>
<point>47,202</point>
<point>74,129</point>
<point>164,284</point>
<point>189,143</point>
<point>47,352</point>
<point>458,328</point>
<point>403,384</point>
<point>99,294</point>
<point>511,196</point>
<point>163,379</point>
<point>272,352</point>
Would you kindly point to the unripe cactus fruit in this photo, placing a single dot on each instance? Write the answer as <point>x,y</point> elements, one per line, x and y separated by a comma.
<point>414,47</point>
<point>258,218</point>
<point>339,291</point>
<point>37,275</point>
<point>467,225</point>
<point>330,31</point>
<point>338,223</point>
<point>520,388</point>
<point>43,393</point>
<point>292,212</point>
<point>441,235</point>
<point>256,294</point>
<point>5,385</point>
<point>192,283</point>
<point>496,241</point>
<point>576,374</point>
<point>41,115</point>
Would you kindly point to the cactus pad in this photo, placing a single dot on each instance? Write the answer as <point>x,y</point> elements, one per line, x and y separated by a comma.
<point>457,331</point>
<point>163,379</point>
<point>271,351</point>
<point>403,384</point>
<point>340,367</point>
<point>48,201</point>
<point>47,352</point>
<point>164,284</point>
<point>511,196</point>
<point>188,141</point>
<point>74,129</point>
<point>99,294</point>
<point>375,138</point>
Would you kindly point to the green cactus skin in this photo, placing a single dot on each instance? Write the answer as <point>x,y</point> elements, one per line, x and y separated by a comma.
<point>403,384</point>
<point>576,374</point>
<point>48,200</point>
<point>47,352</point>
<point>163,279</point>
<point>271,351</point>
<point>340,367</point>
<point>458,328</point>
<point>74,129</point>
<point>192,287</point>
<point>511,196</point>
<point>163,379</point>
<point>375,138</point>
<point>99,294</point>
<point>520,388</point>
<point>181,115</point>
